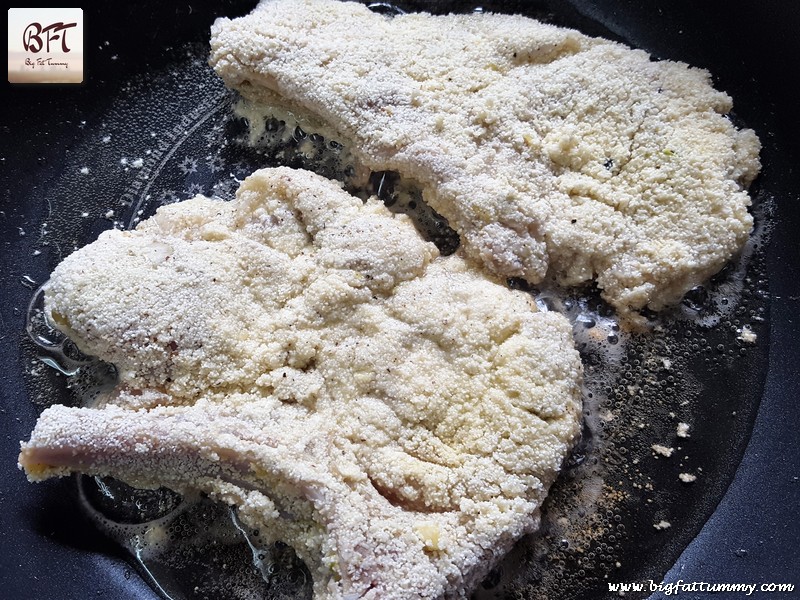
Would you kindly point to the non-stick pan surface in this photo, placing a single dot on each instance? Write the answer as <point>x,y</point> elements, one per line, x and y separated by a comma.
<point>143,90</point>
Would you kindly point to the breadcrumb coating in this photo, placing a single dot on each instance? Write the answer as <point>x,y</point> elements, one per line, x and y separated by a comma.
<point>553,154</point>
<point>393,415</point>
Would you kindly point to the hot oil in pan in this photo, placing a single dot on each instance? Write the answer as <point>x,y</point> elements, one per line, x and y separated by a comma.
<point>622,509</point>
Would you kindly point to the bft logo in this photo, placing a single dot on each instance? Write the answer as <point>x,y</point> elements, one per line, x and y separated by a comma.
<point>45,45</point>
<point>32,36</point>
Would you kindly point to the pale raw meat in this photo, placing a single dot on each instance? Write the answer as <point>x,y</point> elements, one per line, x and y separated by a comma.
<point>554,155</point>
<point>393,415</point>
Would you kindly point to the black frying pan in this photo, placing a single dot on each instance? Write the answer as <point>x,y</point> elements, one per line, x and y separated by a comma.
<point>739,527</point>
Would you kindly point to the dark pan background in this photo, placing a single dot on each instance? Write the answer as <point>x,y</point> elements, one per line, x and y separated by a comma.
<point>753,50</point>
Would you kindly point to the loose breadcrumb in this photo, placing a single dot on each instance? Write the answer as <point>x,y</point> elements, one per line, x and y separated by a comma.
<point>747,335</point>
<point>662,450</point>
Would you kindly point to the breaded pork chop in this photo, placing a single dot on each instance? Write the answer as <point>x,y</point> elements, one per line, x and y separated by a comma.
<point>552,154</point>
<point>393,415</point>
